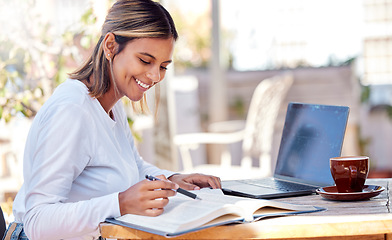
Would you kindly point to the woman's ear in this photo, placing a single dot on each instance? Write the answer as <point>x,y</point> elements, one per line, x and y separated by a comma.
<point>109,45</point>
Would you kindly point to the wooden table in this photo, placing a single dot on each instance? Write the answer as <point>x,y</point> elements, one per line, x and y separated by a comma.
<point>367,220</point>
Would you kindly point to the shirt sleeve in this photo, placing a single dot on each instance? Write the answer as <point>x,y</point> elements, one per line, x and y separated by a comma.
<point>59,152</point>
<point>146,167</point>
<point>143,166</point>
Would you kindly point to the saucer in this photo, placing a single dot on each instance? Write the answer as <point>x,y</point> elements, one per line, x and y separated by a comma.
<point>332,193</point>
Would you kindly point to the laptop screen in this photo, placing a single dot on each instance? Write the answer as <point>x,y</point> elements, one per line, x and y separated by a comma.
<point>312,134</point>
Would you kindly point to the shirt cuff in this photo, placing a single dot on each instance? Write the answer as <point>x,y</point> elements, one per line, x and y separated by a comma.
<point>114,205</point>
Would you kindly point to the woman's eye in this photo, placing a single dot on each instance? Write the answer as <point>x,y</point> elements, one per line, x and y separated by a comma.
<point>163,68</point>
<point>145,62</point>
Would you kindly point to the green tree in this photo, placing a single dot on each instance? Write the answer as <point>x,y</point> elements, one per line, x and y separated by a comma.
<point>33,60</point>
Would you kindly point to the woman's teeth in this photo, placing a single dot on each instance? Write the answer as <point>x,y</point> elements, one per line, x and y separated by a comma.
<point>142,84</point>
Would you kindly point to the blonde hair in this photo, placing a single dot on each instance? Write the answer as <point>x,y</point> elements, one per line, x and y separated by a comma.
<point>127,20</point>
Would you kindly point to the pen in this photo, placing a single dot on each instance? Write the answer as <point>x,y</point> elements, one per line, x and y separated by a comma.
<point>179,190</point>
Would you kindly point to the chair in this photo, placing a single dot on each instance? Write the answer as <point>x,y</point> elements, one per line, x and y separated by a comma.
<point>256,136</point>
<point>2,224</point>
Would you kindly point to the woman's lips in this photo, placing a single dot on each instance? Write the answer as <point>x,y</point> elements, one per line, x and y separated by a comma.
<point>143,85</point>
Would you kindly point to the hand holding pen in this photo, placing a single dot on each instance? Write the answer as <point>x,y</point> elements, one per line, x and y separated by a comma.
<point>179,190</point>
<point>143,198</point>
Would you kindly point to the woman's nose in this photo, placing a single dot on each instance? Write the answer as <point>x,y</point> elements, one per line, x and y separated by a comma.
<point>154,75</point>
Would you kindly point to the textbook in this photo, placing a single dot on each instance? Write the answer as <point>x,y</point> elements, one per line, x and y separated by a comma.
<point>184,214</point>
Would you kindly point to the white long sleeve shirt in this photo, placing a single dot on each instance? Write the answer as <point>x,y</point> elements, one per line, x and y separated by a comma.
<point>77,159</point>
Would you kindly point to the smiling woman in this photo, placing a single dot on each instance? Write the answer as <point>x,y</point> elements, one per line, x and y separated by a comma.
<point>81,165</point>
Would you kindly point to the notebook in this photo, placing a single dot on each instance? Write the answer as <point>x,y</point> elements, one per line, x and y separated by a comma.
<point>312,134</point>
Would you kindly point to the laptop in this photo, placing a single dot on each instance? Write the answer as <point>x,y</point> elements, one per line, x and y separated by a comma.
<point>312,134</point>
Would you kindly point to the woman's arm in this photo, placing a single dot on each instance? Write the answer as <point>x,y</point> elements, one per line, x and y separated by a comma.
<point>58,150</point>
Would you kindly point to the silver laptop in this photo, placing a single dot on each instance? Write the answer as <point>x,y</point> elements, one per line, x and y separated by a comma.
<point>312,134</point>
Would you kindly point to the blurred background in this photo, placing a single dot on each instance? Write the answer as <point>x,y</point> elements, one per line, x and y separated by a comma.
<point>338,52</point>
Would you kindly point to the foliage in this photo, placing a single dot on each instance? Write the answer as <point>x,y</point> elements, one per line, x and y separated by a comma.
<point>34,58</point>
<point>19,64</point>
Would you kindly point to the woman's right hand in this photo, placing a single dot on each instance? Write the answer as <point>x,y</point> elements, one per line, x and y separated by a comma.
<point>147,197</point>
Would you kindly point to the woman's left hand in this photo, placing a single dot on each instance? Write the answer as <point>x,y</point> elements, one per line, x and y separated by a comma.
<point>195,181</point>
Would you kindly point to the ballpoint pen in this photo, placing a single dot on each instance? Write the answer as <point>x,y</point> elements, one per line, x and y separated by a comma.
<point>179,190</point>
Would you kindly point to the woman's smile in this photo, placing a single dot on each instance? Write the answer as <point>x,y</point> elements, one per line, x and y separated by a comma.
<point>143,85</point>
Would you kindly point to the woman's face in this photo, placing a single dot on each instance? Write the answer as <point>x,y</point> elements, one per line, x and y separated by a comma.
<point>141,64</point>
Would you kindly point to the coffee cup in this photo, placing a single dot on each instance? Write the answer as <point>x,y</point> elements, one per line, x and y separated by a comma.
<point>349,173</point>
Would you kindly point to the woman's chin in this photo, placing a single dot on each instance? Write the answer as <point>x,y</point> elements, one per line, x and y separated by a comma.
<point>135,98</point>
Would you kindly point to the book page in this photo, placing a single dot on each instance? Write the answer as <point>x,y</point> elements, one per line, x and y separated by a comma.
<point>258,207</point>
<point>184,213</point>
<point>262,208</point>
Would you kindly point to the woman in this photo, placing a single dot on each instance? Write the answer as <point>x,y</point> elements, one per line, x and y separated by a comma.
<point>81,165</point>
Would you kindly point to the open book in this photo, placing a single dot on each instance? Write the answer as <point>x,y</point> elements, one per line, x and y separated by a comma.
<point>184,214</point>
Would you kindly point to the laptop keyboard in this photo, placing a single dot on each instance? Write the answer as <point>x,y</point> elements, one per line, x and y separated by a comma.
<point>277,184</point>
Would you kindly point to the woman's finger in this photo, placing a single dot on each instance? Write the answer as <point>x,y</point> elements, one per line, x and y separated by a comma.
<point>153,212</point>
<point>160,184</point>
<point>214,182</point>
<point>157,203</point>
